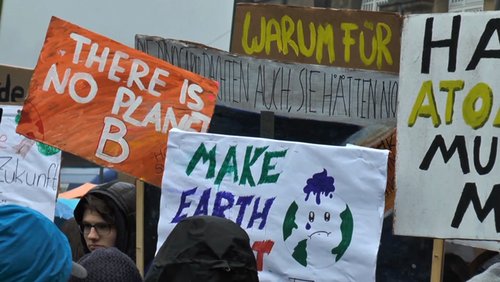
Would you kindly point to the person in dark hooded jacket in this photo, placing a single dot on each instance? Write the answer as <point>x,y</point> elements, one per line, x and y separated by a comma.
<point>205,248</point>
<point>106,217</point>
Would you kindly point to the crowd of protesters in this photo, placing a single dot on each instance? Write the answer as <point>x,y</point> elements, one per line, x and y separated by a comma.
<point>98,244</point>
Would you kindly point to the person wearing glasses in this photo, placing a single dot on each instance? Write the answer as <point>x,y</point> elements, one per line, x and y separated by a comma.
<point>106,217</point>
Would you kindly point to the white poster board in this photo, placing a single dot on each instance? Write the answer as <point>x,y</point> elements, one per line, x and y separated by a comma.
<point>321,207</point>
<point>297,90</point>
<point>29,171</point>
<point>448,185</point>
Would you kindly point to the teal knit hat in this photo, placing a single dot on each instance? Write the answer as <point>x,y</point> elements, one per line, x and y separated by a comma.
<point>32,248</point>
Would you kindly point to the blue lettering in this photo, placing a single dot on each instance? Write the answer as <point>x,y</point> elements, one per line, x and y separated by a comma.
<point>244,202</point>
<point>202,208</point>
<point>219,209</point>
<point>262,215</point>
<point>178,217</point>
<point>224,201</point>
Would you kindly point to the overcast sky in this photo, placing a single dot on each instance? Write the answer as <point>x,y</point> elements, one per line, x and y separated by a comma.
<point>23,23</point>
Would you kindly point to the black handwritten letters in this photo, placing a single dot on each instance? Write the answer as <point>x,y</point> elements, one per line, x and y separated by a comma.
<point>470,195</point>
<point>481,51</point>
<point>10,92</point>
<point>13,172</point>
<point>475,149</point>
<point>310,91</point>
<point>459,146</point>
<point>450,43</point>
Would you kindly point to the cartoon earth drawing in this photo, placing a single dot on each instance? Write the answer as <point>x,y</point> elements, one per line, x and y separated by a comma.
<point>318,229</point>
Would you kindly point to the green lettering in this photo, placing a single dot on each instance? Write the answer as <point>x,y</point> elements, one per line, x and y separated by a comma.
<point>228,166</point>
<point>201,153</point>
<point>265,177</point>
<point>246,173</point>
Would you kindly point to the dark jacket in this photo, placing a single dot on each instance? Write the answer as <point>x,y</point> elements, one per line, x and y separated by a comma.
<point>205,248</point>
<point>121,198</point>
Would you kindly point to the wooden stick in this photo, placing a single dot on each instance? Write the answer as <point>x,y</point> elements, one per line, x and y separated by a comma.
<point>437,260</point>
<point>139,226</point>
<point>267,124</point>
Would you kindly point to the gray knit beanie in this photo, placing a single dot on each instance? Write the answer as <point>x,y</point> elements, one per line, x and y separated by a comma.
<point>108,265</point>
<point>491,274</point>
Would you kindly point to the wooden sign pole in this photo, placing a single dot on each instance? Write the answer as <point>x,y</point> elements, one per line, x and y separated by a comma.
<point>267,124</point>
<point>437,260</point>
<point>139,226</point>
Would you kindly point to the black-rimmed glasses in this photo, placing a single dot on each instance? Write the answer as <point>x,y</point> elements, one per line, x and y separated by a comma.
<point>102,229</point>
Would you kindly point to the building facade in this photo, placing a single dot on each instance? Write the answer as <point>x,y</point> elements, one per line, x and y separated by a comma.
<point>429,6</point>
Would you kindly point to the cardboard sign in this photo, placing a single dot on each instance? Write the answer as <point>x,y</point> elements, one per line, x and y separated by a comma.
<point>306,91</point>
<point>300,203</point>
<point>448,184</point>
<point>381,137</point>
<point>343,38</point>
<point>109,103</point>
<point>389,142</point>
<point>29,171</point>
<point>14,84</point>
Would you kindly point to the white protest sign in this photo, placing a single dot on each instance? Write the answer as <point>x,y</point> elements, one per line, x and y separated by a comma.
<point>448,127</point>
<point>307,91</point>
<point>313,212</point>
<point>29,171</point>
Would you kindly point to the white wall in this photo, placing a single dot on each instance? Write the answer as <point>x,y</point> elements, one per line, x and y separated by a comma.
<point>23,23</point>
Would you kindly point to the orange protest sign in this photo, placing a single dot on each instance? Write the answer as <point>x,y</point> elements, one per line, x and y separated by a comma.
<point>111,104</point>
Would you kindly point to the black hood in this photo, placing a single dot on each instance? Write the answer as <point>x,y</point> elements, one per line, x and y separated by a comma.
<point>121,198</point>
<point>205,248</point>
